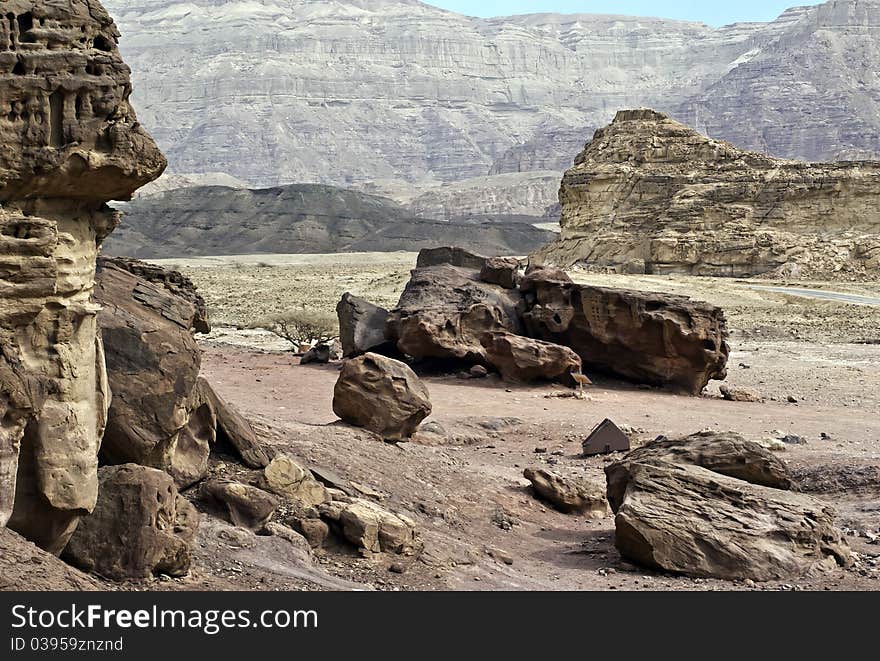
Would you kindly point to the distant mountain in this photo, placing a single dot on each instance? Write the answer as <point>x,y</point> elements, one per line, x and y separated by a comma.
<point>309,218</point>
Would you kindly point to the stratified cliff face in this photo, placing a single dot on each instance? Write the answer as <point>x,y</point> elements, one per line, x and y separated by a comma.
<point>649,194</point>
<point>811,94</point>
<point>71,142</point>
<point>354,92</point>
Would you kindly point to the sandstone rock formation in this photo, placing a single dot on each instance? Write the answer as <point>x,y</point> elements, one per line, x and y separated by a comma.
<point>726,453</point>
<point>156,417</point>
<point>381,394</point>
<point>287,478</point>
<point>173,281</point>
<point>361,326</point>
<point>140,527</point>
<point>445,310</point>
<point>680,517</point>
<point>241,504</point>
<point>566,495</point>
<point>651,195</point>
<point>370,527</point>
<point>71,143</point>
<point>354,91</point>
<point>650,338</point>
<point>519,358</point>
<point>162,413</point>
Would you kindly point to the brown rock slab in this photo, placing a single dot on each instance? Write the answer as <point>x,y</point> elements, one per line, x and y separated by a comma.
<point>519,358</point>
<point>362,327</point>
<point>726,453</point>
<point>656,339</point>
<point>501,271</point>
<point>240,504</point>
<point>140,526</point>
<point>689,520</point>
<point>381,394</point>
<point>568,495</point>
<point>156,416</point>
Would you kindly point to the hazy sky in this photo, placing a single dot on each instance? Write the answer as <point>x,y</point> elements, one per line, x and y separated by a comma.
<point>713,12</point>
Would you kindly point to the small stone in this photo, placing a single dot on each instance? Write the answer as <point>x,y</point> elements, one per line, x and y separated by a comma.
<point>479,372</point>
<point>792,399</point>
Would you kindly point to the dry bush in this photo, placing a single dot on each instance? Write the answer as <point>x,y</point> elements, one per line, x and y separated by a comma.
<point>301,326</point>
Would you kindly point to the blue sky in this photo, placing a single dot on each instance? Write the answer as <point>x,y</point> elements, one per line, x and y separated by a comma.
<point>713,12</point>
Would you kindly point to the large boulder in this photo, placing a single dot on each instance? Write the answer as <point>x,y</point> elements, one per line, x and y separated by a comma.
<point>287,478</point>
<point>141,526</point>
<point>726,453</point>
<point>162,413</point>
<point>381,394</point>
<point>520,358</point>
<point>445,310</point>
<point>687,519</point>
<point>26,567</point>
<point>156,415</point>
<point>657,339</point>
<point>501,271</point>
<point>71,143</point>
<point>362,326</point>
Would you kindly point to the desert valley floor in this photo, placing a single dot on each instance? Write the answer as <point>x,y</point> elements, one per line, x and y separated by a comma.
<point>812,361</point>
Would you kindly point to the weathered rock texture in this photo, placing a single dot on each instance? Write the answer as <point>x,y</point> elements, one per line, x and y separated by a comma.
<point>71,142</point>
<point>445,310</point>
<point>370,527</point>
<point>156,414</point>
<point>650,338</point>
<point>25,566</point>
<point>381,394</point>
<point>726,453</point>
<point>162,413</point>
<point>686,518</point>
<point>355,91</point>
<point>140,527</point>
<point>651,195</point>
<point>568,495</point>
<point>361,326</point>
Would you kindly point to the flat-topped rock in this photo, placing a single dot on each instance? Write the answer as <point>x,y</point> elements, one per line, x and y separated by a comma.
<point>651,195</point>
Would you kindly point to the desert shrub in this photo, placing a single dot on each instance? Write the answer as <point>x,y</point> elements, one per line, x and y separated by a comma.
<point>302,325</point>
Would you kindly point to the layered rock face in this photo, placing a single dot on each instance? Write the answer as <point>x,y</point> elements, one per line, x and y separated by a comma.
<point>354,91</point>
<point>214,220</point>
<point>653,338</point>
<point>71,142</point>
<point>716,505</point>
<point>651,195</point>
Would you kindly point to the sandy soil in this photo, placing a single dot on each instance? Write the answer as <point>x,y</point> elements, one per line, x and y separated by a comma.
<point>461,480</point>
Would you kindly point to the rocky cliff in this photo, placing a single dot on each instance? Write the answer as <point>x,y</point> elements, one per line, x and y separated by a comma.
<point>307,218</point>
<point>356,91</point>
<point>651,195</point>
<point>71,142</point>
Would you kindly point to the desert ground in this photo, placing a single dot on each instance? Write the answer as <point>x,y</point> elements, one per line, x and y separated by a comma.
<point>811,355</point>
